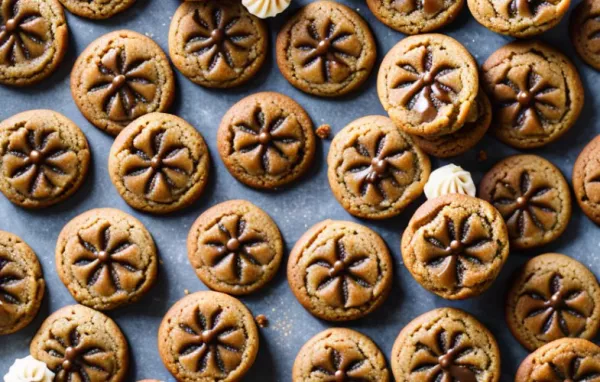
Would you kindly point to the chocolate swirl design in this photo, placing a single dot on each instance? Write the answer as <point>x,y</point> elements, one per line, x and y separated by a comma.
<point>12,286</point>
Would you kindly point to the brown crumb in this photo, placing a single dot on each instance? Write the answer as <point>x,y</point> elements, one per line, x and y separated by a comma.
<point>323,131</point>
<point>186,292</point>
<point>262,320</point>
<point>482,156</point>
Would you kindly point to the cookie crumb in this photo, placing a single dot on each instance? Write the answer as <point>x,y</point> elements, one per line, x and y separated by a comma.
<point>186,292</point>
<point>262,320</point>
<point>482,156</point>
<point>324,131</point>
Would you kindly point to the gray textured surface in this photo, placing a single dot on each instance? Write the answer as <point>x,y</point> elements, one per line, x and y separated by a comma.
<point>294,209</point>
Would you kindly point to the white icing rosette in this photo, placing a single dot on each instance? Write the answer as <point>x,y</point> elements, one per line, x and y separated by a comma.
<point>29,369</point>
<point>266,8</point>
<point>449,179</point>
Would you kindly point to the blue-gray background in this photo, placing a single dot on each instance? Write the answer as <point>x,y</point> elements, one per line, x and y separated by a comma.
<point>294,209</point>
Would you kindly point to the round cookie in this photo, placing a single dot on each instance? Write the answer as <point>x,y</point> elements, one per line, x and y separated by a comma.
<point>326,49</point>
<point>466,137</point>
<point>536,93</point>
<point>339,354</point>
<point>532,196</point>
<point>416,16</point>
<point>553,296</point>
<point>159,163</point>
<point>266,140</point>
<point>340,271</point>
<point>374,169</point>
<point>21,284</point>
<point>217,44</point>
<point>446,344</point>
<point>120,77</point>
<point>586,180</point>
<point>97,9</point>
<point>33,40</point>
<point>208,336</point>
<point>106,258</point>
<point>80,344</point>
<point>567,359</point>
<point>455,246</point>
<point>428,84</point>
<point>44,158</point>
<point>584,28</point>
<point>235,247</point>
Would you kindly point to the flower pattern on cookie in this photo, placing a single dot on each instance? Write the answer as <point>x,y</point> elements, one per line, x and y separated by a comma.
<point>340,363</point>
<point>11,286</point>
<point>528,8</point>
<point>567,369</point>
<point>23,32</point>
<point>429,7</point>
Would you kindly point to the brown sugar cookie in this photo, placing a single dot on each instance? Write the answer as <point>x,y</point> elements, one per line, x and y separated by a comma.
<point>567,359</point>
<point>339,354</point>
<point>44,158</point>
<point>446,344</point>
<point>535,91</point>
<point>106,258</point>
<point>375,170</point>
<point>533,197</point>
<point>96,9</point>
<point>80,344</point>
<point>586,180</point>
<point>159,163</point>
<point>455,246</point>
<point>208,336</point>
<point>217,44</point>
<point>266,140</point>
<point>428,84</point>
<point>120,77</point>
<point>553,296</point>
<point>21,284</point>
<point>584,28</point>
<point>326,49</point>
<point>33,40</point>
<point>340,270</point>
<point>235,247</point>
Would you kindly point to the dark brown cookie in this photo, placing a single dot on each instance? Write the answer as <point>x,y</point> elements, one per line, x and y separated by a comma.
<point>340,270</point>
<point>44,158</point>
<point>584,28</point>
<point>97,9</point>
<point>586,180</point>
<point>535,91</point>
<point>533,197</point>
<point>326,49</point>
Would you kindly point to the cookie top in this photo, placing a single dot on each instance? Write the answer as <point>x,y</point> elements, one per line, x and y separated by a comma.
<point>446,344</point>
<point>455,246</point>
<point>120,77</point>
<point>586,180</point>
<point>339,354</point>
<point>415,16</point>
<point>21,284</point>
<point>208,336</point>
<point>266,140</point>
<point>326,49</point>
<point>97,9</point>
<point>428,84</point>
<point>584,28</point>
<point>159,163</point>
<point>44,158</point>
<point>533,197</point>
<point>235,247</point>
<point>567,359</point>
<point>535,91</point>
<point>340,270</point>
<point>106,258</point>
<point>375,169</point>
<point>33,40</point>
<point>217,44</point>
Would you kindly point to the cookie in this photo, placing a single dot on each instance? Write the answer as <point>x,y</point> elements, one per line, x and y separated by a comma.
<point>536,94</point>
<point>428,84</point>
<point>584,28</point>
<point>266,140</point>
<point>97,9</point>
<point>326,49</point>
<point>532,196</point>
<point>586,180</point>
<point>159,163</point>
<point>455,246</point>
<point>80,344</point>
<point>415,16</point>
<point>567,359</point>
<point>340,271</point>
<point>217,44</point>
<point>33,40</point>
<point>339,354</point>
<point>446,344</point>
<point>44,158</point>
<point>120,77</point>
<point>21,284</point>
<point>235,247</point>
<point>465,138</point>
<point>208,336</point>
<point>374,169</point>
<point>106,258</point>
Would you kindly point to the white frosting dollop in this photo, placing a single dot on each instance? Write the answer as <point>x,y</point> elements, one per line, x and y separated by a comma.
<point>266,8</point>
<point>449,179</point>
<point>29,369</point>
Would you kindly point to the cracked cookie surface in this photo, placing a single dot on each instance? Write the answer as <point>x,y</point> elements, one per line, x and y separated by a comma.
<point>586,180</point>
<point>585,32</point>
<point>96,9</point>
